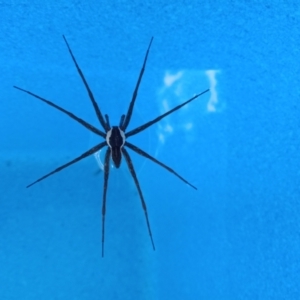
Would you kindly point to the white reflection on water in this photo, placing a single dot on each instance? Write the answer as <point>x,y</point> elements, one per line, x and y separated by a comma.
<point>213,100</point>
<point>180,86</point>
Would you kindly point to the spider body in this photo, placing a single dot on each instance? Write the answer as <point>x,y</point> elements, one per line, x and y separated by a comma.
<point>115,140</point>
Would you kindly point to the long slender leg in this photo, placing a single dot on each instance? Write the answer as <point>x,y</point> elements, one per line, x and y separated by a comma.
<point>121,121</point>
<point>107,120</point>
<point>82,122</point>
<point>143,127</point>
<point>130,109</point>
<point>143,153</point>
<point>106,174</point>
<point>133,174</point>
<point>85,154</point>
<point>96,107</point>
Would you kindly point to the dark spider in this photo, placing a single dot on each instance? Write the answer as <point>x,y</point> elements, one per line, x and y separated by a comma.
<point>115,139</point>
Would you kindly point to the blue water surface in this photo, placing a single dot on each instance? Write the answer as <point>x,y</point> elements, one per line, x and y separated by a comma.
<point>237,236</point>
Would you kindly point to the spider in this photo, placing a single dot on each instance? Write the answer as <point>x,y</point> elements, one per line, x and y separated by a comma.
<point>115,139</point>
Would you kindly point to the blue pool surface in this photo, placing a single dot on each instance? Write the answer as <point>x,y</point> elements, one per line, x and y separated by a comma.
<point>237,236</point>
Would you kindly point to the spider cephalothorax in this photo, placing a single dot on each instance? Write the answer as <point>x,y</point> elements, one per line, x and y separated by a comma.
<point>115,140</point>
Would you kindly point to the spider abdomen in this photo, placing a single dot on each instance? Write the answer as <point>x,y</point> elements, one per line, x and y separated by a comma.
<point>115,139</point>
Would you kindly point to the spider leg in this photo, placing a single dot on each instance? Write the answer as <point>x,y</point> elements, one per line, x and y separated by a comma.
<point>143,153</point>
<point>85,154</point>
<point>96,107</point>
<point>121,120</point>
<point>107,121</point>
<point>106,174</point>
<point>143,127</point>
<point>82,122</point>
<point>130,109</point>
<point>133,174</point>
